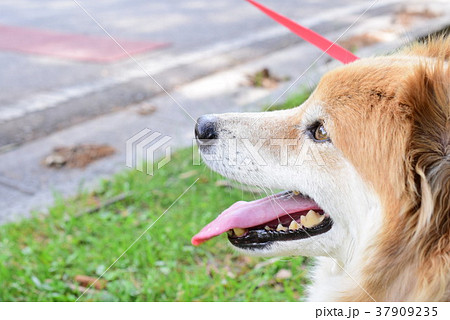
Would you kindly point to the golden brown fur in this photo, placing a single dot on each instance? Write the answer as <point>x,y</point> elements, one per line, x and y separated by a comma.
<point>385,178</point>
<point>404,103</point>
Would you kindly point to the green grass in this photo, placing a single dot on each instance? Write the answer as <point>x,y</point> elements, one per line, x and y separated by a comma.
<point>40,257</point>
<point>292,101</point>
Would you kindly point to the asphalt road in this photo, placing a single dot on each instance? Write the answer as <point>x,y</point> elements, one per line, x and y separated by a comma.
<point>32,83</point>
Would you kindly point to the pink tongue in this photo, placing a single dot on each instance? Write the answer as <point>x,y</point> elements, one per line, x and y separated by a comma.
<point>244,214</point>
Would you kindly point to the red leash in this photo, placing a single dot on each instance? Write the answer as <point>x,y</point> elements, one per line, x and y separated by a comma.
<point>332,49</point>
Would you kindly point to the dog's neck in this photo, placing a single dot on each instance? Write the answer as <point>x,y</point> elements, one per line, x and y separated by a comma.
<point>385,268</point>
<point>334,277</point>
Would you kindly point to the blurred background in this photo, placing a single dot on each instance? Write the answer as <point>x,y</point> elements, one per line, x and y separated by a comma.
<point>81,78</point>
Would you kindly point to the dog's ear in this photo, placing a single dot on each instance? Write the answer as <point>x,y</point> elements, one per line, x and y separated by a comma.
<point>427,94</point>
<point>431,46</point>
<point>428,155</point>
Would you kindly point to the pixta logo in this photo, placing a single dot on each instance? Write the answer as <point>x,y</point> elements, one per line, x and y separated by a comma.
<point>144,147</point>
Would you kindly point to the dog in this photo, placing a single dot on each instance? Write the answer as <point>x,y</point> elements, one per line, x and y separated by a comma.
<point>366,162</point>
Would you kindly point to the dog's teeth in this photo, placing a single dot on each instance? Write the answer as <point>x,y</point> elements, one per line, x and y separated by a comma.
<point>296,193</point>
<point>281,228</point>
<point>304,221</point>
<point>294,225</point>
<point>311,219</point>
<point>267,228</point>
<point>312,213</point>
<point>239,232</point>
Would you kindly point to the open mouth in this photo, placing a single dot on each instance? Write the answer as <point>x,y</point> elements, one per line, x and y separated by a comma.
<point>257,224</point>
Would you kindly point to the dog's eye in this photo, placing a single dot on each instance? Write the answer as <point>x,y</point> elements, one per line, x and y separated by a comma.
<point>319,133</point>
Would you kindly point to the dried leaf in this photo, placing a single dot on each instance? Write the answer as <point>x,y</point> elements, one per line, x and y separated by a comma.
<point>146,109</point>
<point>78,156</point>
<point>188,174</point>
<point>283,274</point>
<point>86,281</point>
<point>264,79</point>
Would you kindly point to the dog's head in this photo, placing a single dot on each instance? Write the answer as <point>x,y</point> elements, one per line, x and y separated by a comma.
<point>365,163</point>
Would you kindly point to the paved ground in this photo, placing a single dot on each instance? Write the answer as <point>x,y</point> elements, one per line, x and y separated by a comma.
<point>204,72</point>
<point>40,94</point>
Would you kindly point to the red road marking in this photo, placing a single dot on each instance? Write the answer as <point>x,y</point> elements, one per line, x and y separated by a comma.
<point>70,46</point>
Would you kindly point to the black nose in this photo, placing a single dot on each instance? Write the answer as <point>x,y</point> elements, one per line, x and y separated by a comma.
<point>206,128</point>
